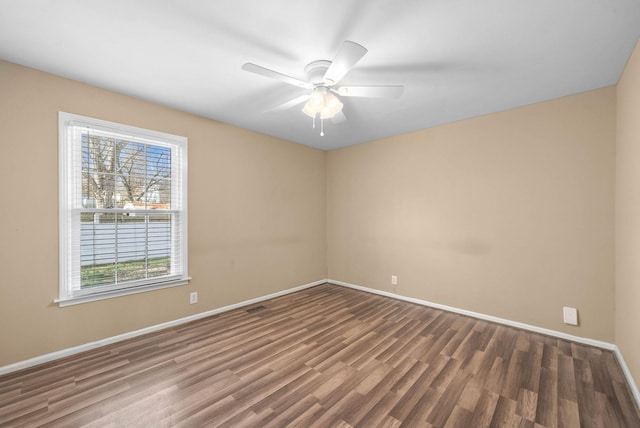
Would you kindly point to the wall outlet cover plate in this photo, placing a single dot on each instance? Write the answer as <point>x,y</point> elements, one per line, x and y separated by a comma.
<point>570,315</point>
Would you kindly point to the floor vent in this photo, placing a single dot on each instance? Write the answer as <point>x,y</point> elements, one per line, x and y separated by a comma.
<point>255,309</point>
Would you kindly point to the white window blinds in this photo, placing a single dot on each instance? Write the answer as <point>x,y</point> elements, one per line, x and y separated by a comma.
<point>122,208</point>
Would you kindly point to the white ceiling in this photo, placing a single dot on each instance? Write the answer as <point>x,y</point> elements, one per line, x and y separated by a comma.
<point>456,58</point>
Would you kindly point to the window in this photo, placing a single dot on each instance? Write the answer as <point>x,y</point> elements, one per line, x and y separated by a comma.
<point>123,209</point>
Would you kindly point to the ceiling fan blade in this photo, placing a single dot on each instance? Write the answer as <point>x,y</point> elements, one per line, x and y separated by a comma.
<point>371,91</point>
<point>253,68</point>
<point>348,55</point>
<point>338,118</point>
<point>292,103</point>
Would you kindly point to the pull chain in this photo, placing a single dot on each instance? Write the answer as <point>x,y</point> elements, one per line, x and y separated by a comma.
<point>321,125</point>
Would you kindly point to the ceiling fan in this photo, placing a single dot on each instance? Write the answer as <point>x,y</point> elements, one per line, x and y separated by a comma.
<point>323,78</point>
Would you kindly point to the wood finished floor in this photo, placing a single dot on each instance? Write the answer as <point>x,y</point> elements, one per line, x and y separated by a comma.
<point>327,356</point>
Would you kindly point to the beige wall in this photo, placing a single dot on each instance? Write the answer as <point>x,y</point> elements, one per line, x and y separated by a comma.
<point>510,214</point>
<point>627,320</point>
<point>256,216</point>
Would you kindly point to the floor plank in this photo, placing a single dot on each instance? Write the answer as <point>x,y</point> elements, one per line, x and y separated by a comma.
<point>327,356</point>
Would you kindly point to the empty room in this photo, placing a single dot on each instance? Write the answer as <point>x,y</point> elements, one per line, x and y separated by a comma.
<point>320,214</point>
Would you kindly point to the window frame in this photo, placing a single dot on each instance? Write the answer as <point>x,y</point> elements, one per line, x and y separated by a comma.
<point>70,177</point>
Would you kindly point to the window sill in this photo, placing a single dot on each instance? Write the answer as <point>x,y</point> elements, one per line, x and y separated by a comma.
<point>69,301</point>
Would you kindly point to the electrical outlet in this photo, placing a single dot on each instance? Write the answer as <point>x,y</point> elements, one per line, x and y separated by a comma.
<point>570,315</point>
<point>394,280</point>
<point>193,298</point>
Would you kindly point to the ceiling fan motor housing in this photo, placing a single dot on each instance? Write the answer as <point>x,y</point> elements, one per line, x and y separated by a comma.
<point>316,70</point>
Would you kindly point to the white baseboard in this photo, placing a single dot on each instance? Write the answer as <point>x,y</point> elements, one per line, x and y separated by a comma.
<point>584,340</point>
<point>627,374</point>
<point>548,332</point>
<point>20,365</point>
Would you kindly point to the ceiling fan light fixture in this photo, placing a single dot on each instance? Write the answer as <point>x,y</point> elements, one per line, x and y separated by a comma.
<point>322,102</point>
<point>317,98</point>
<point>331,107</point>
<point>308,110</point>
